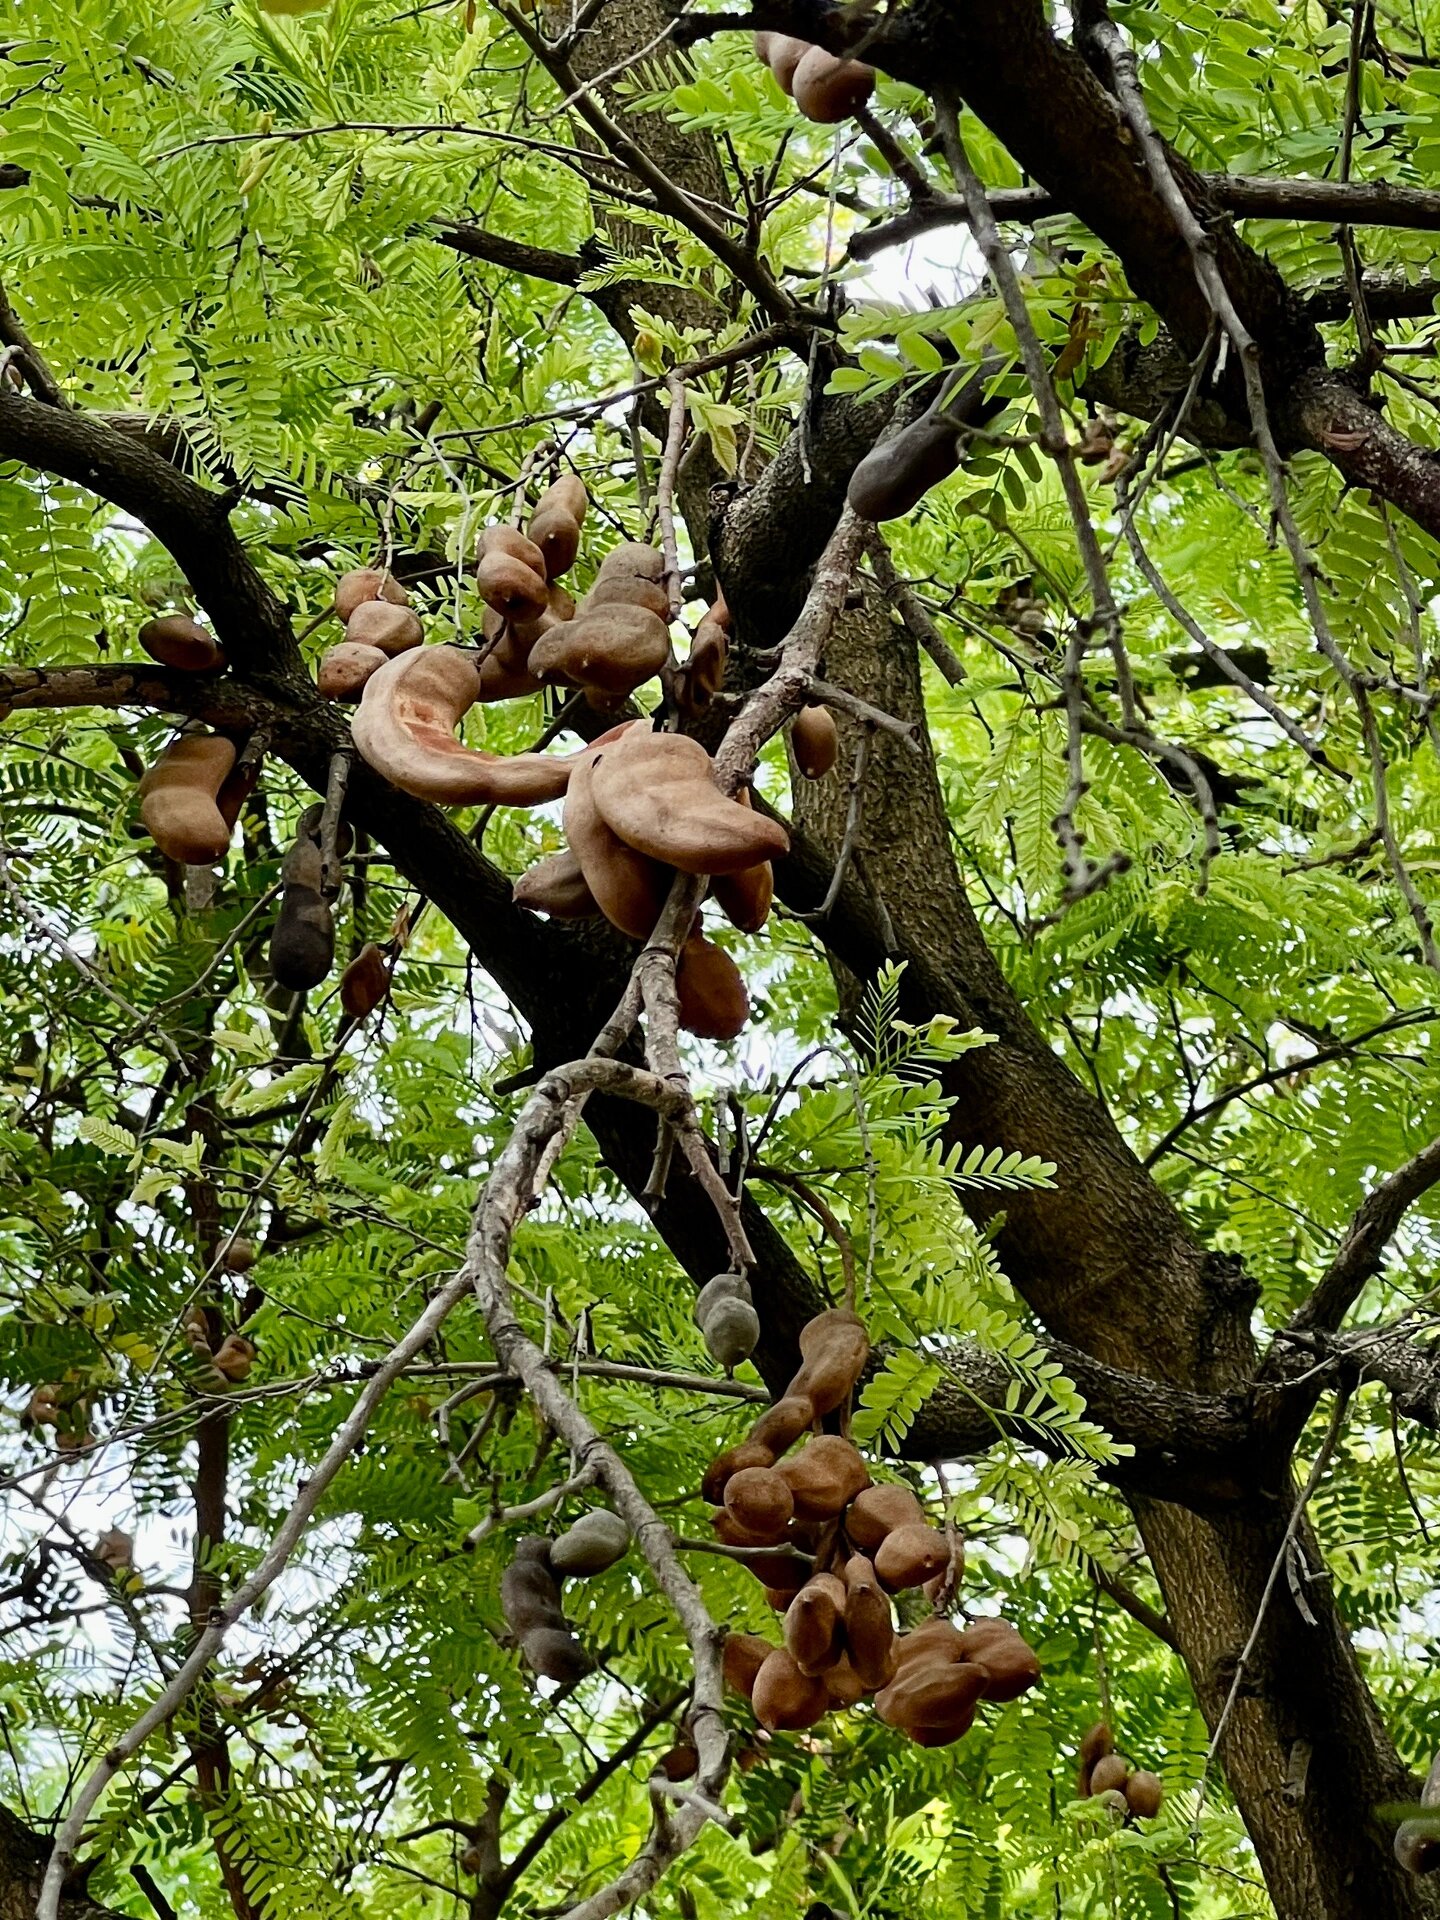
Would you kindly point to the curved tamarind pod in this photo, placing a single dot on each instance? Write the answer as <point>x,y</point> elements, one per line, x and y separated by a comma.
<point>703,674</point>
<point>175,640</point>
<point>499,680</point>
<point>880,1510</point>
<point>1144,1792</point>
<point>353,589</point>
<point>815,741</point>
<point>896,475</point>
<point>304,864</point>
<point>1005,1656</point>
<point>234,1356</point>
<point>628,590</point>
<point>596,1541</point>
<point>843,1684</point>
<point>933,1639</point>
<point>827,89</point>
<point>785,1699</point>
<point>178,799</point>
<point>782,53</point>
<point>782,1424</point>
<point>657,791</point>
<point>744,1655</point>
<point>869,1625</point>
<point>555,1654</point>
<point>680,1762</point>
<point>834,1347</point>
<point>556,886</point>
<point>745,898</point>
<point>530,1601</point>
<point>556,521</point>
<point>628,888</point>
<point>728,1530</point>
<point>302,946</point>
<point>345,669</point>
<point>824,1477</point>
<point>713,1002</point>
<point>632,560</point>
<point>405,729</point>
<point>761,1501</point>
<point>1109,1774</point>
<point>510,574</point>
<point>610,650</point>
<point>734,1460</point>
<point>732,1330</point>
<point>910,1556</point>
<point>512,640</point>
<point>932,1694</point>
<point>1098,1741</point>
<point>365,982</point>
<point>813,1624</point>
<point>380,623</point>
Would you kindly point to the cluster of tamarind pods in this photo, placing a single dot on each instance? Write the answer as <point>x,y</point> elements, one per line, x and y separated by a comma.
<point>1105,1774</point>
<point>530,1591</point>
<point>842,1546</point>
<point>825,87</point>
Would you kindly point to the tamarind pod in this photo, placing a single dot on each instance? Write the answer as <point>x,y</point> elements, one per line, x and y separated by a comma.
<point>302,946</point>
<point>609,650</point>
<point>815,741</point>
<point>761,1501</point>
<point>367,583</point>
<point>744,1655</point>
<point>782,1424</point>
<point>896,475</point>
<point>555,524</point>
<point>236,788</point>
<point>405,729</point>
<point>380,623</point>
<point>724,1286</point>
<point>556,886</point>
<point>312,820</point>
<point>303,864</point>
<point>843,1685</point>
<point>749,1453</point>
<point>345,668</point>
<point>510,574</point>
<point>785,1699</point>
<point>745,898</point>
<point>234,1356</point>
<point>781,1574</point>
<point>713,1002</point>
<point>1097,1742</point>
<point>1005,1656</point>
<point>783,55</point>
<point>824,1477</point>
<point>365,982</point>
<point>943,1736</point>
<point>175,640</point>
<point>934,1639</point>
<point>633,560</point>
<point>178,797</point>
<point>880,1510</point>
<point>529,1591</point>
<point>657,792</point>
<point>1417,1847</point>
<point>511,640</point>
<point>555,1654</point>
<point>628,888</point>
<point>237,1255</point>
<point>732,1331</point>
<point>911,1555</point>
<point>834,1347</point>
<point>627,590</point>
<point>44,1407</point>
<point>813,1624</point>
<point>729,1531</point>
<point>930,1693</point>
<point>827,89</point>
<point>680,1762</point>
<point>1143,1793</point>
<point>703,674</point>
<point>596,1541</point>
<point>115,1549</point>
<point>1109,1774</point>
<point>499,680</point>
<point>869,1626</point>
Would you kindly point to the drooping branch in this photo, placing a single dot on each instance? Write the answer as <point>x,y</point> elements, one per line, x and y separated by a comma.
<point>1363,1248</point>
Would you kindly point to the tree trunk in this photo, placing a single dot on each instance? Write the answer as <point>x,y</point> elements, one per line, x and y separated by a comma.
<point>23,1854</point>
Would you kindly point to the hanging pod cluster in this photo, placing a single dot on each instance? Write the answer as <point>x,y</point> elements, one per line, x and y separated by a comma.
<point>530,1591</point>
<point>1103,1773</point>
<point>842,1546</point>
<point>823,86</point>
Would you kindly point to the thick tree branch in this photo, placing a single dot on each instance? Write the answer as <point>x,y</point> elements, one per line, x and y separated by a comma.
<point>1363,1248</point>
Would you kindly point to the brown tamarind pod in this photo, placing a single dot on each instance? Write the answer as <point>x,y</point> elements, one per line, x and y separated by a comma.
<point>304,863</point>
<point>729,1531</point>
<point>896,475</point>
<point>932,1695</point>
<point>365,982</point>
<point>512,640</point>
<point>237,1254</point>
<point>628,590</point>
<point>1098,1741</point>
<point>745,897</point>
<point>910,1556</point>
<point>345,669</point>
<point>608,651</point>
<point>680,1762</point>
<point>869,1624</point>
<point>405,729</point>
<point>880,1510</point>
<point>657,792</point>
<point>933,1639</point>
<point>380,623</point>
<point>234,1356</point>
<point>178,799</point>
<point>785,1699</point>
<point>510,574</point>
<point>713,1002</point>
<point>175,640</point>
<point>632,560</point>
<point>814,1623</point>
<point>556,886</point>
<point>237,787</point>
<point>843,1684</point>
<point>556,521</point>
<point>1109,1773</point>
<point>824,1477</point>
<point>302,945</point>
<point>782,53</point>
<point>629,888</point>
<point>703,674</point>
<point>1417,1847</point>
<point>115,1549</point>
<point>827,89</point>
<point>353,589</point>
<point>749,1453</point>
<point>1005,1656</point>
<point>782,1424</point>
<point>834,1347</point>
<point>781,1574</point>
<point>744,1655</point>
<point>43,1409</point>
<point>1143,1793</point>
<point>761,1501</point>
<point>815,741</point>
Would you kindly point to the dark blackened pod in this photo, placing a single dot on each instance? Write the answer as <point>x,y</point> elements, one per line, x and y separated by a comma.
<point>302,947</point>
<point>896,475</point>
<point>530,1601</point>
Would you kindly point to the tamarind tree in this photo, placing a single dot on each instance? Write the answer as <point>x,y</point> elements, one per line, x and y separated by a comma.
<point>1089,1054</point>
